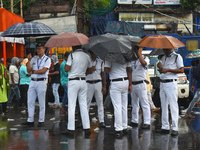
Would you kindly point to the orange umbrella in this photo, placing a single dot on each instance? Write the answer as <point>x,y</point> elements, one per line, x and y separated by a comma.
<point>160,42</point>
<point>67,40</point>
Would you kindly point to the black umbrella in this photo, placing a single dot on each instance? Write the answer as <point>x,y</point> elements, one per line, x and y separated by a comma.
<point>28,29</point>
<point>114,48</point>
<point>157,52</point>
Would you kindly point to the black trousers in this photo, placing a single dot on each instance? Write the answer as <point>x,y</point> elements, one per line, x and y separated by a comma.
<point>23,91</point>
<point>4,107</point>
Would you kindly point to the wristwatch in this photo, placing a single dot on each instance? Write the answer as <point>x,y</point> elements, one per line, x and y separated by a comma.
<point>33,71</point>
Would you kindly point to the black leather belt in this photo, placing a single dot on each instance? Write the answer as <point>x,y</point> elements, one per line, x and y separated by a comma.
<point>119,79</point>
<point>77,78</point>
<point>93,81</point>
<point>38,79</point>
<point>168,80</point>
<point>137,82</point>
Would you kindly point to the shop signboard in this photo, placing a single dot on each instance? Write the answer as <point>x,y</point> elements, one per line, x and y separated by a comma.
<point>166,2</point>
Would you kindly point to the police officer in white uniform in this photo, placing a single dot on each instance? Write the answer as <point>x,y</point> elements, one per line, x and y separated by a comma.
<point>78,64</point>
<point>39,67</point>
<point>139,93</point>
<point>172,63</point>
<point>96,86</point>
<point>121,85</point>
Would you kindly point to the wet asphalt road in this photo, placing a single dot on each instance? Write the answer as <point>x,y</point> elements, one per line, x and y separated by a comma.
<point>13,136</point>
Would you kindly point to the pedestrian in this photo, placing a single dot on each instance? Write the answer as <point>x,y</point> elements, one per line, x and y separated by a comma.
<point>149,88</point>
<point>14,81</point>
<point>25,79</point>
<point>139,93</point>
<point>156,83</point>
<point>78,64</point>
<point>64,82</point>
<point>39,67</point>
<point>196,98</point>
<point>4,88</point>
<point>8,63</point>
<point>55,80</point>
<point>120,86</point>
<point>96,86</point>
<point>172,63</point>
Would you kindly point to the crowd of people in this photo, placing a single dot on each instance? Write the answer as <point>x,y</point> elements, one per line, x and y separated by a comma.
<point>83,77</point>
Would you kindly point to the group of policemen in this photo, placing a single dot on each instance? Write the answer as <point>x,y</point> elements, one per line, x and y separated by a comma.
<point>87,79</point>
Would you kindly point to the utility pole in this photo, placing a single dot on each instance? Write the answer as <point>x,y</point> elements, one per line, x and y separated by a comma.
<point>21,10</point>
<point>11,3</point>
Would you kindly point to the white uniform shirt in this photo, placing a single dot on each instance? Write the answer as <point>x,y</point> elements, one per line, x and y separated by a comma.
<point>79,62</point>
<point>99,66</point>
<point>117,70</point>
<point>13,69</point>
<point>139,72</point>
<point>174,61</point>
<point>39,63</point>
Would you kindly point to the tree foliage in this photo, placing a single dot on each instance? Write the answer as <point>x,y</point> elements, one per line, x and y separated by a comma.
<point>16,5</point>
<point>190,4</point>
<point>94,4</point>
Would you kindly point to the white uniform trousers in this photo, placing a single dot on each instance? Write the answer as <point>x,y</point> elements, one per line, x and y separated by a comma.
<point>169,97</point>
<point>119,97</point>
<point>77,88</point>
<point>96,90</point>
<point>37,89</point>
<point>139,96</point>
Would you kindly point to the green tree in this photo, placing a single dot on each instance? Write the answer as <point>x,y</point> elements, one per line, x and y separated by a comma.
<point>94,4</point>
<point>192,5</point>
<point>16,5</point>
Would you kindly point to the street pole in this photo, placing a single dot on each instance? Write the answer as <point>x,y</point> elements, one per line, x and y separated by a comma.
<point>21,10</point>
<point>11,3</point>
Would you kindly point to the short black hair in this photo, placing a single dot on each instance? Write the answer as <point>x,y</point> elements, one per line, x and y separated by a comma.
<point>66,54</point>
<point>160,56</point>
<point>8,60</point>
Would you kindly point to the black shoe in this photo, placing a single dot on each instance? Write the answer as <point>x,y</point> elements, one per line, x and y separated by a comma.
<point>174,133</point>
<point>68,132</point>
<point>125,131</point>
<point>102,125</point>
<point>146,126</point>
<point>162,131</point>
<point>40,124</point>
<point>87,132</point>
<point>118,134</point>
<point>28,124</point>
<point>134,124</point>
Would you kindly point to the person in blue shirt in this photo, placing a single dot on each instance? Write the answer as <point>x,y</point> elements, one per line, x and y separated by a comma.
<point>64,81</point>
<point>25,80</point>
<point>196,98</point>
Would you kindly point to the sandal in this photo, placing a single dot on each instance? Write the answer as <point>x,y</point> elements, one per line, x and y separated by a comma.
<point>189,116</point>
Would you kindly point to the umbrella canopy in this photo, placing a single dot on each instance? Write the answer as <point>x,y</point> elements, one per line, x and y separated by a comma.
<point>157,52</point>
<point>114,48</point>
<point>67,40</point>
<point>160,42</point>
<point>193,54</point>
<point>28,29</point>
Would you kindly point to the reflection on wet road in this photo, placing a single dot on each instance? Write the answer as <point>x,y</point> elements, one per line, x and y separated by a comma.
<point>14,136</point>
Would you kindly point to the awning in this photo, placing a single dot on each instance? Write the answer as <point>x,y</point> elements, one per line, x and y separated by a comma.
<point>11,39</point>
